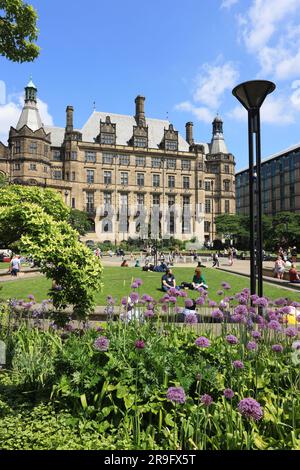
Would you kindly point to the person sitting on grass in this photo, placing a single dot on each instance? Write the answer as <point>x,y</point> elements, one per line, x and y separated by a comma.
<point>168,281</point>
<point>199,280</point>
<point>294,275</point>
<point>124,264</point>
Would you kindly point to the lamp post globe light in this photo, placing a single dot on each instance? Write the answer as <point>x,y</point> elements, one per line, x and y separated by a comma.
<point>251,95</point>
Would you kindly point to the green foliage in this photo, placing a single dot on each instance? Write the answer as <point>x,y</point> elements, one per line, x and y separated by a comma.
<point>281,230</point>
<point>18,31</point>
<point>33,357</point>
<point>36,220</point>
<point>3,180</point>
<point>79,221</point>
<point>120,394</point>
<point>48,199</point>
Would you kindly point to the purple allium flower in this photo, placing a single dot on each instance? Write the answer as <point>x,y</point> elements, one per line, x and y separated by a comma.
<point>124,301</point>
<point>182,293</point>
<point>250,408</point>
<point>280,302</point>
<point>291,332</point>
<point>274,325</point>
<point>212,303</point>
<point>200,301</point>
<point>134,296</point>
<point>241,298</point>
<point>254,297</point>
<point>206,399</point>
<point>260,301</point>
<point>31,297</point>
<point>188,303</point>
<point>139,282</point>
<point>165,299</point>
<point>110,300</point>
<point>228,393</point>
<point>223,304</point>
<point>202,342</point>
<point>296,345</point>
<point>100,329</point>
<point>134,285</point>
<point>246,291</point>
<point>226,286</point>
<point>139,344</point>
<point>231,339</point>
<point>172,300</point>
<point>238,364</point>
<point>176,395</point>
<point>164,308</point>
<point>101,343</point>
<point>149,313</point>
<point>238,318</point>
<point>251,346</point>
<point>241,310</point>
<point>256,334</point>
<point>287,310</point>
<point>173,291</point>
<point>278,348</point>
<point>295,304</point>
<point>217,314</point>
<point>190,318</point>
<point>220,292</point>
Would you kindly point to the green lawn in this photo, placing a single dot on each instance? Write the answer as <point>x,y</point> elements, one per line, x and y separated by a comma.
<point>4,265</point>
<point>117,283</point>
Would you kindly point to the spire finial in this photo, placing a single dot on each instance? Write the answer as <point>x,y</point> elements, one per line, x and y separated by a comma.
<point>94,106</point>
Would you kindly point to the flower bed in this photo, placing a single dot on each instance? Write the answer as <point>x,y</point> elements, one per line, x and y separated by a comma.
<point>144,383</point>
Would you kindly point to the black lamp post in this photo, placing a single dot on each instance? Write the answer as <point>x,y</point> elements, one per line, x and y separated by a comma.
<point>252,95</point>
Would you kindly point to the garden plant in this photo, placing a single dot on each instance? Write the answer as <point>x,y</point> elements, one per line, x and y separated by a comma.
<point>141,380</point>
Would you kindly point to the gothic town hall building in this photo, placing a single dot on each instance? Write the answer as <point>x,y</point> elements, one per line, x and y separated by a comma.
<point>130,161</point>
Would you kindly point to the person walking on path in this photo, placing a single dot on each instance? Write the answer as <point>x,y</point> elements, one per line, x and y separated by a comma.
<point>230,257</point>
<point>215,260</point>
<point>15,265</point>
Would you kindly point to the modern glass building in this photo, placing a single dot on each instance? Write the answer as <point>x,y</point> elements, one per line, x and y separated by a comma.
<point>280,184</point>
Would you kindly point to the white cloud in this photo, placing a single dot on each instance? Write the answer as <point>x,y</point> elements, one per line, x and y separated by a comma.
<point>201,113</point>
<point>9,115</point>
<point>276,111</point>
<point>295,96</point>
<point>10,112</point>
<point>228,3</point>
<point>213,81</point>
<point>270,30</point>
<point>273,111</point>
<point>238,114</point>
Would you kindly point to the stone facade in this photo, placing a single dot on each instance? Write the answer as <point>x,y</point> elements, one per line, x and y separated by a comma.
<point>117,168</point>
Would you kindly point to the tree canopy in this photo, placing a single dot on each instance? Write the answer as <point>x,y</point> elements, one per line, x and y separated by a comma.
<point>79,221</point>
<point>283,229</point>
<point>36,221</point>
<point>18,31</point>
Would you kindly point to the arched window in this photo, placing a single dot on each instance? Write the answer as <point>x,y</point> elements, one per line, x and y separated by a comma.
<point>107,226</point>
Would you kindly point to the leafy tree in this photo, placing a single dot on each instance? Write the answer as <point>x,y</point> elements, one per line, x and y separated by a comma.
<point>18,31</point>
<point>79,221</point>
<point>286,229</point>
<point>40,227</point>
<point>231,226</point>
<point>49,200</point>
<point>3,180</point>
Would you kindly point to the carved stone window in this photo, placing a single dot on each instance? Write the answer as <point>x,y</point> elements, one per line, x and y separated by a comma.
<point>107,132</point>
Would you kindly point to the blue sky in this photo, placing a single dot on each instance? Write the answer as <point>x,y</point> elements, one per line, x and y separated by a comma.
<point>185,57</point>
